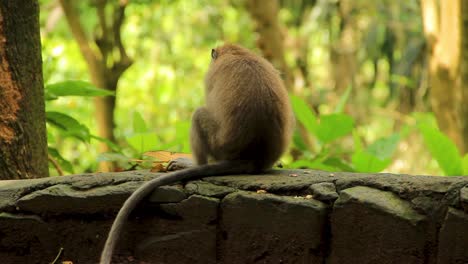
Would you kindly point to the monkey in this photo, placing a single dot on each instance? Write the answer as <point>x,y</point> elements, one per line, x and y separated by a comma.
<point>245,127</point>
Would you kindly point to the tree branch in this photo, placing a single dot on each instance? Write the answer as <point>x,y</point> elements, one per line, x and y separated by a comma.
<point>78,32</point>
<point>103,41</point>
<point>124,61</point>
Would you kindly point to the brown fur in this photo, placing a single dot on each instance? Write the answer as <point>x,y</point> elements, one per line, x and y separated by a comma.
<point>245,126</point>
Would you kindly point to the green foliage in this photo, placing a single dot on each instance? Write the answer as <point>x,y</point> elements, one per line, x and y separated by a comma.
<point>74,88</point>
<point>64,164</point>
<point>465,164</point>
<point>377,156</point>
<point>333,126</point>
<point>304,114</point>
<point>66,125</point>
<point>328,129</point>
<point>170,41</point>
<point>442,149</point>
<point>142,139</point>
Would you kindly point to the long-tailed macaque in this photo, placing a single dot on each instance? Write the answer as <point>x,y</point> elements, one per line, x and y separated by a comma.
<point>245,127</point>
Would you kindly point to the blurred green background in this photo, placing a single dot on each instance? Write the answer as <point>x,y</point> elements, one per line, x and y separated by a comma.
<point>357,71</point>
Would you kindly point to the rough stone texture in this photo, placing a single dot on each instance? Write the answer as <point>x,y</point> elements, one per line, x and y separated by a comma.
<point>167,194</point>
<point>453,244</point>
<point>325,191</point>
<point>299,216</point>
<point>194,232</point>
<point>464,198</point>
<point>370,226</point>
<point>264,228</point>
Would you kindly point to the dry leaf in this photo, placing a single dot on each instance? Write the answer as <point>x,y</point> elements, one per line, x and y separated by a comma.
<point>166,156</point>
<point>158,167</point>
<point>261,191</point>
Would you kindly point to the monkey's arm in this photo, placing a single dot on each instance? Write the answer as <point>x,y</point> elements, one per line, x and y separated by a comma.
<point>216,169</point>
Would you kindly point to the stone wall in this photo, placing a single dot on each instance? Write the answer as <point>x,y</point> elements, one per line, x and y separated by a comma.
<point>282,217</point>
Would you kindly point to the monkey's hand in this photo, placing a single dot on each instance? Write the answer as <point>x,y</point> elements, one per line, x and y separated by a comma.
<point>179,164</point>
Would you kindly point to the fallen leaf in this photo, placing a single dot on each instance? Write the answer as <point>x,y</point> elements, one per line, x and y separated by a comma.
<point>166,156</point>
<point>158,167</point>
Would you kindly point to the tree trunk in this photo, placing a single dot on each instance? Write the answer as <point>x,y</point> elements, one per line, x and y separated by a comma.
<point>343,53</point>
<point>106,63</point>
<point>270,39</point>
<point>271,43</point>
<point>447,37</point>
<point>23,142</point>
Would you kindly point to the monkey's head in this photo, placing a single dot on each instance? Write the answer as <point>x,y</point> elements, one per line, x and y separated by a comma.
<point>229,49</point>
<point>228,61</point>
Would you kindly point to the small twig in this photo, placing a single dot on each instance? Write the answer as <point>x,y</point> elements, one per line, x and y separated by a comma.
<point>56,165</point>
<point>58,256</point>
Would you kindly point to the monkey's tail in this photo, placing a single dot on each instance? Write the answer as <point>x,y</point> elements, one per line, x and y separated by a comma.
<point>219,168</point>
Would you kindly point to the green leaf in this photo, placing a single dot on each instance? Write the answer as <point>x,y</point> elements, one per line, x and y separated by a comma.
<point>334,126</point>
<point>465,164</point>
<point>384,148</point>
<point>143,142</point>
<point>338,163</point>
<point>64,164</point>
<point>343,99</point>
<point>49,96</point>
<point>183,135</point>
<point>357,142</point>
<point>300,164</point>
<point>69,125</point>
<point>75,88</point>
<point>298,141</point>
<point>109,143</point>
<point>366,162</point>
<point>109,156</point>
<point>442,149</point>
<point>139,124</point>
<point>304,114</point>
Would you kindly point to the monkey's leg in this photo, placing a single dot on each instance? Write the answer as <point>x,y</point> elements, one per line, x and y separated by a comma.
<point>203,127</point>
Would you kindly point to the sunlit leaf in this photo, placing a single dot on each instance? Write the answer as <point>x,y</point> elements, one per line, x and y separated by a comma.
<point>301,164</point>
<point>183,135</point>
<point>442,149</point>
<point>384,148</point>
<point>358,146</point>
<point>334,126</point>
<point>465,164</point>
<point>75,88</point>
<point>304,114</point>
<point>343,99</point>
<point>366,162</point>
<point>142,142</point>
<point>139,124</point>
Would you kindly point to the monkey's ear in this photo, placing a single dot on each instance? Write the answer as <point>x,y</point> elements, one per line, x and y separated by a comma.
<point>214,54</point>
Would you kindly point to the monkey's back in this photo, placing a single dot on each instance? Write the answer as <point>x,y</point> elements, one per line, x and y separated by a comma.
<point>250,103</point>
